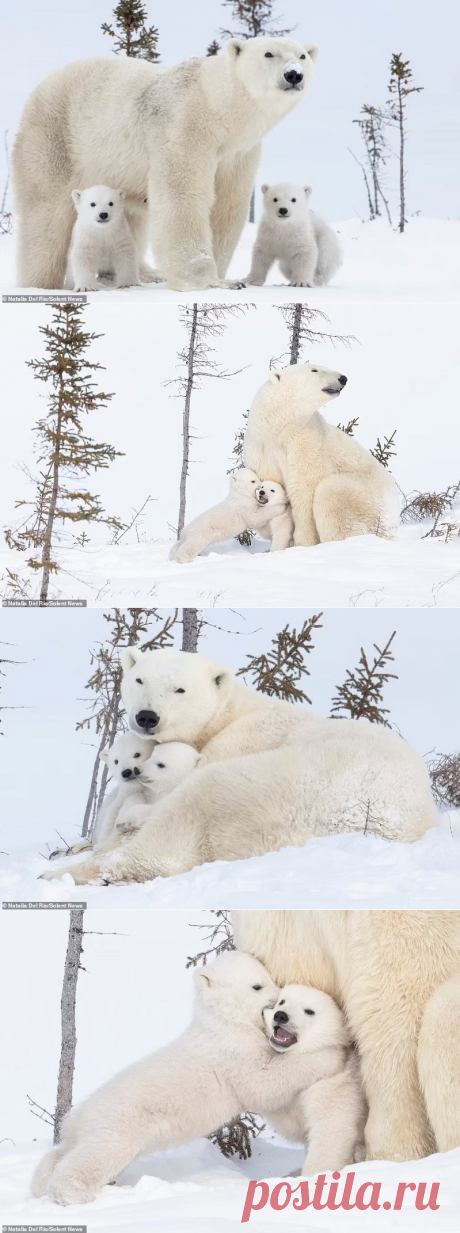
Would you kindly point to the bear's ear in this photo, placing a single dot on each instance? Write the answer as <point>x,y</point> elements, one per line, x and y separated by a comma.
<point>222,677</point>
<point>122,194</point>
<point>313,51</point>
<point>264,188</point>
<point>201,761</point>
<point>234,47</point>
<point>308,190</point>
<point>129,657</point>
<point>104,755</point>
<point>275,376</point>
<point>202,978</point>
<point>76,194</point>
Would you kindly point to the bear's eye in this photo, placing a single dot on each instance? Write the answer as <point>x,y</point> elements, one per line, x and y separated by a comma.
<point>116,761</point>
<point>275,199</point>
<point>282,1003</point>
<point>253,481</point>
<point>138,681</point>
<point>309,1012</point>
<point>269,55</point>
<point>137,755</point>
<point>293,198</point>
<point>257,988</point>
<point>179,691</point>
<point>302,57</point>
<point>314,370</point>
<point>272,489</point>
<point>111,203</point>
<point>93,203</point>
<point>162,765</point>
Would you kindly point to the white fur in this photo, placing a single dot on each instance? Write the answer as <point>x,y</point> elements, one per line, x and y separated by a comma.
<point>277,775</point>
<point>144,774</point>
<point>221,1066</point>
<point>188,137</point>
<point>306,247</point>
<point>397,977</point>
<point>336,488</point>
<point>102,249</point>
<point>329,1116</point>
<point>261,505</point>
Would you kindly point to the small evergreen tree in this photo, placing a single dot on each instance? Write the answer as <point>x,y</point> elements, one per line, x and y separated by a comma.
<point>361,695</point>
<point>132,36</point>
<point>213,49</point>
<point>399,89</point>
<point>255,18</point>
<point>63,449</point>
<point>279,671</point>
<point>219,935</point>
<point>384,451</point>
<point>349,429</point>
<point>445,780</point>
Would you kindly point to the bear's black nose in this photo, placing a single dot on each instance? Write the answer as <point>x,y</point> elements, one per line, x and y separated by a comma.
<point>148,720</point>
<point>282,210</point>
<point>343,380</point>
<point>103,214</point>
<point>293,77</point>
<point>280,1016</point>
<point>136,770</point>
<point>126,774</point>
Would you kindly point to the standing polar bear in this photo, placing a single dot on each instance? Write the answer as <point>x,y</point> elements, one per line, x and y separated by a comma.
<point>188,137</point>
<point>397,976</point>
<point>276,775</point>
<point>336,488</point>
<point>306,247</point>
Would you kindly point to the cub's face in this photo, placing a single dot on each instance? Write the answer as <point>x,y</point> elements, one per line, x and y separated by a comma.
<point>243,483</point>
<point>99,205</point>
<point>273,67</point>
<point>126,756</point>
<point>285,201</point>
<point>172,695</point>
<point>270,493</point>
<point>305,1019</point>
<point>238,987</point>
<point>169,764</point>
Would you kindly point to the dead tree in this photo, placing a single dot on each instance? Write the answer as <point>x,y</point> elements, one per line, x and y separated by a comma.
<point>399,90</point>
<point>299,319</point>
<point>445,780</point>
<point>426,505</point>
<point>6,218</point>
<point>279,671</point>
<point>191,626</point>
<point>361,695</point>
<point>68,1025</point>
<point>132,36</point>
<point>372,123</point>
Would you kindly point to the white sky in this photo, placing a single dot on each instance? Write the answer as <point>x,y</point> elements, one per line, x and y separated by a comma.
<point>356,40</point>
<point>45,765</point>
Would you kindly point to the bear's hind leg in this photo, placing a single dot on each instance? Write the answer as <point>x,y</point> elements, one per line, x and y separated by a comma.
<point>438,1060</point>
<point>233,188</point>
<point>344,506</point>
<point>85,1169</point>
<point>45,1168</point>
<point>45,230</point>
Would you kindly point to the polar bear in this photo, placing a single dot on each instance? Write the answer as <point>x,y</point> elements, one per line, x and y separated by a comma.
<point>145,775</point>
<point>251,502</point>
<point>336,488</point>
<point>102,249</point>
<point>188,137</point>
<point>328,1117</point>
<point>397,977</point>
<point>306,247</point>
<point>222,1065</point>
<point>274,774</point>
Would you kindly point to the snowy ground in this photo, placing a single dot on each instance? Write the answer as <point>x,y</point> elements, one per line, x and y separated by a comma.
<point>380,265</point>
<point>195,1190</point>
<point>361,572</point>
<point>343,871</point>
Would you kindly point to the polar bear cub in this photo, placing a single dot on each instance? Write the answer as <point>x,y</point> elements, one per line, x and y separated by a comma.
<point>261,505</point>
<point>306,247</point>
<point>145,772</point>
<point>329,1117</point>
<point>222,1065</point>
<point>102,249</point>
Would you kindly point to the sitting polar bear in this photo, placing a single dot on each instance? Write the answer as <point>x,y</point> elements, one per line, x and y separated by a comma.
<point>102,249</point>
<point>397,977</point>
<point>336,488</point>
<point>329,1116</point>
<point>251,502</point>
<point>277,775</point>
<point>188,137</point>
<point>306,247</point>
<point>222,1065</point>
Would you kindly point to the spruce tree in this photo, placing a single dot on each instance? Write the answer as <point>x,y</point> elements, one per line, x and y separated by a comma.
<point>255,19</point>
<point>65,453</point>
<point>361,695</point>
<point>132,36</point>
<point>399,89</point>
<point>279,671</point>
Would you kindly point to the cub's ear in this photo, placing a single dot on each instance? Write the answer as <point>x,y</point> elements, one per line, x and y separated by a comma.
<point>129,657</point>
<point>122,194</point>
<point>234,47</point>
<point>201,761</point>
<point>312,50</point>
<point>202,978</point>
<point>308,190</point>
<point>76,194</point>
<point>104,755</point>
<point>275,376</point>
<point>264,188</point>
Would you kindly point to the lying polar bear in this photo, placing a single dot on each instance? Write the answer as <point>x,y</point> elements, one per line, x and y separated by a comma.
<point>220,1067</point>
<point>336,488</point>
<point>273,774</point>
<point>261,505</point>
<point>306,247</point>
<point>328,1117</point>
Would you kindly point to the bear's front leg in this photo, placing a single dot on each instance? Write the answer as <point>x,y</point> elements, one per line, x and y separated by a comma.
<point>180,198</point>
<point>305,533</point>
<point>281,532</point>
<point>302,267</point>
<point>234,184</point>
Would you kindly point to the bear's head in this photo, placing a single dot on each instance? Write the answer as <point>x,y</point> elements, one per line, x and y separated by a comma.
<point>173,695</point>
<point>236,988</point>
<point>276,67</point>
<point>299,390</point>
<point>270,493</point>
<point>99,205</point>
<point>283,201</point>
<point>243,483</point>
<point>125,758</point>
<point>305,1019</point>
<point>169,764</point>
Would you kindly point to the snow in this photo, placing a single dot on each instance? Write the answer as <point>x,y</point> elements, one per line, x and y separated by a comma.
<point>380,266</point>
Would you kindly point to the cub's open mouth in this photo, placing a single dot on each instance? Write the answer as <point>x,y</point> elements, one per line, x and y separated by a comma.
<point>281,1037</point>
<point>261,500</point>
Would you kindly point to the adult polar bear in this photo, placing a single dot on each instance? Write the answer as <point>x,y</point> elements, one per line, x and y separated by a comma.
<point>336,488</point>
<point>277,774</point>
<point>397,976</point>
<point>188,136</point>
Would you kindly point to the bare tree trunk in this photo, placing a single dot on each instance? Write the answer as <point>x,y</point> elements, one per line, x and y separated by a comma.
<point>186,421</point>
<point>108,736</point>
<point>190,630</point>
<point>295,336</point>
<point>402,194</point>
<point>68,1029</point>
<point>47,543</point>
<point>252,207</point>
